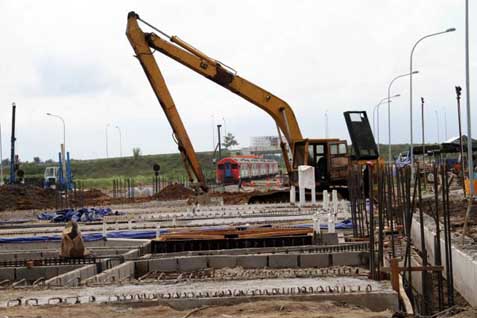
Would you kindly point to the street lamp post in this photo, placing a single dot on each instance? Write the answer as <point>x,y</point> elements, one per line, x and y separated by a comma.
<point>389,110</point>
<point>445,126</point>
<point>120,141</point>
<point>106,135</point>
<point>410,90</point>
<point>63,150</point>
<point>64,127</point>
<point>438,130</point>
<point>326,124</point>
<point>376,110</point>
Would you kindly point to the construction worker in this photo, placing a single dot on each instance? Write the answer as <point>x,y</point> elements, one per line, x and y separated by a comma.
<point>72,245</point>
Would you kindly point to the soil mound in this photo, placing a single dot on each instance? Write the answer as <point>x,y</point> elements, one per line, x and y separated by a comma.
<point>26,197</point>
<point>175,191</point>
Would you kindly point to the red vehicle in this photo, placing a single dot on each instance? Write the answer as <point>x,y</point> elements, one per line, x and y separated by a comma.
<point>232,170</point>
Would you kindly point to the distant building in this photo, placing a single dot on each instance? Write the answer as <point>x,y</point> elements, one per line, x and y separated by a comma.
<point>263,145</point>
<point>264,142</point>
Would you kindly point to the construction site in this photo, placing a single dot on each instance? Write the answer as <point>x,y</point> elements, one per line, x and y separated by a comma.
<point>293,226</point>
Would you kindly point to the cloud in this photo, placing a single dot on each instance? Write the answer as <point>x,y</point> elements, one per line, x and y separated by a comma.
<point>73,58</point>
<point>57,77</point>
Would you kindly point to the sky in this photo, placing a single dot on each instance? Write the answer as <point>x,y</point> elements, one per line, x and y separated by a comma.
<point>72,58</point>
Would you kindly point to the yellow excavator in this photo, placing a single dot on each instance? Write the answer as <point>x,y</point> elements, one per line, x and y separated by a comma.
<point>328,156</point>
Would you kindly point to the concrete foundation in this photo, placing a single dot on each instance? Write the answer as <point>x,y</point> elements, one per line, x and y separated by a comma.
<point>32,274</point>
<point>373,301</point>
<point>116,274</point>
<point>279,260</point>
<point>464,257</point>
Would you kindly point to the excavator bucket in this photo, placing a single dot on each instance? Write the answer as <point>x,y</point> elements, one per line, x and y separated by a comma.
<point>363,144</point>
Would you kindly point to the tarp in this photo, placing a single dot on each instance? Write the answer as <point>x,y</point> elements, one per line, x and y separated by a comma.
<point>344,225</point>
<point>80,215</point>
<point>145,234</point>
<point>88,237</point>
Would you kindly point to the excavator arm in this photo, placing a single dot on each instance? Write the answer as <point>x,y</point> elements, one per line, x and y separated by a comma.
<point>215,71</point>
<point>145,56</point>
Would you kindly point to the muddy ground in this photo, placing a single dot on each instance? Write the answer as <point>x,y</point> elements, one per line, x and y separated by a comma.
<point>263,309</point>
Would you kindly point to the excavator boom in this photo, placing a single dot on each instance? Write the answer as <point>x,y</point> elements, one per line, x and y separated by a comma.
<point>145,56</point>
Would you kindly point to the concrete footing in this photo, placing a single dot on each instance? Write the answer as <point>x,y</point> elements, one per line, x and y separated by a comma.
<point>374,301</point>
<point>464,257</point>
<point>283,260</point>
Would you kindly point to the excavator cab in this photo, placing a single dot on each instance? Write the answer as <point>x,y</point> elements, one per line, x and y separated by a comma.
<point>328,156</point>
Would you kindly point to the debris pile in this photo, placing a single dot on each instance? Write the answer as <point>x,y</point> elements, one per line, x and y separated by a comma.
<point>175,191</point>
<point>26,197</point>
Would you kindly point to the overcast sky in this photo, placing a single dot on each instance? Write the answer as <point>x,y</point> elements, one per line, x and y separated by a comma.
<point>72,58</point>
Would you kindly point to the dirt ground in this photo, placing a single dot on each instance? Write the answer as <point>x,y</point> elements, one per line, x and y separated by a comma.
<point>24,197</point>
<point>28,197</point>
<point>261,309</point>
<point>457,209</point>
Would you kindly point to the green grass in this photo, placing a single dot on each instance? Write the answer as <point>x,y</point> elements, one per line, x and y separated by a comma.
<point>99,173</point>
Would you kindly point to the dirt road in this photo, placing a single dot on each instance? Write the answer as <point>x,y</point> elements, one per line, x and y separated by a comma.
<point>261,309</point>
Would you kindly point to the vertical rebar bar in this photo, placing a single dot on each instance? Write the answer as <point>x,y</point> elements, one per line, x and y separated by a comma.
<point>437,243</point>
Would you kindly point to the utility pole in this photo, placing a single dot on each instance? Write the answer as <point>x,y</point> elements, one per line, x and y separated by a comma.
<point>438,130</point>
<point>12,147</point>
<point>470,163</point>
<point>458,91</point>
<point>220,141</point>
